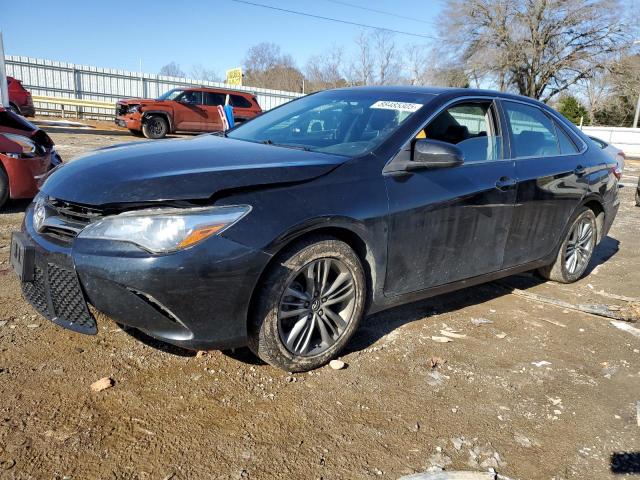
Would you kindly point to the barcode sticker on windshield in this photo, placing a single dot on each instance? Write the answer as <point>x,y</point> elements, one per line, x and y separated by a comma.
<point>399,106</point>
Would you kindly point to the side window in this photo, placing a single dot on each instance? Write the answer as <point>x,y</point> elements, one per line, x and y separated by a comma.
<point>533,133</point>
<point>240,102</point>
<point>566,144</point>
<point>472,127</point>
<point>191,97</point>
<point>214,99</point>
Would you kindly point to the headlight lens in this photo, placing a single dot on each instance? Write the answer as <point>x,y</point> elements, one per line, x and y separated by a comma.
<point>165,230</point>
<point>134,108</point>
<point>28,147</point>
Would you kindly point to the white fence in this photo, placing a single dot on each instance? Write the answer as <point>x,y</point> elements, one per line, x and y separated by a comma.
<point>67,80</point>
<point>627,139</point>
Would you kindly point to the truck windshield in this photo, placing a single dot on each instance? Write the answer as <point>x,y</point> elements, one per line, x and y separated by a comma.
<point>340,122</point>
<point>171,94</point>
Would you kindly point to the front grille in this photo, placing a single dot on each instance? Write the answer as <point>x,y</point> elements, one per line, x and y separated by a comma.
<point>61,286</point>
<point>65,220</point>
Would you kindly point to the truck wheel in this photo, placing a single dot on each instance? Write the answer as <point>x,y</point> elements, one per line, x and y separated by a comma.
<point>15,109</point>
<point>4,187</point>
<point>155,127</point>
<point>576,249</point>
<point>308,305</point>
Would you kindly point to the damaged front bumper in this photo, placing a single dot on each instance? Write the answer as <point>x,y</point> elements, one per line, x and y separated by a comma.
<point>197,298</point>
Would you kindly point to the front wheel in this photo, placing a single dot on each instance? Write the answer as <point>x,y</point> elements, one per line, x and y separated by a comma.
<point>576,249</point>
<point>309,305</point>
<point>155,127</point>
<point>4,187</point>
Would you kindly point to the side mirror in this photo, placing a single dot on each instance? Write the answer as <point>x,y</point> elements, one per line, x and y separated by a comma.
<point>435,154</point>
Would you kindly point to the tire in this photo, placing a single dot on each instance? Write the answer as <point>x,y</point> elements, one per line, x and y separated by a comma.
<point>15,109</point>
<point>136,133</point>
<point>4,187</point>
<point>563,269</point>
<point>155,127</point>
<point>638,197</point>
<point>271,335</point>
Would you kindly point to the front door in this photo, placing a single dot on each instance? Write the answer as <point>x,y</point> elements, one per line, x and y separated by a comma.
<point>552,180</point>
<point>188,112</point>
<point>451,224</point>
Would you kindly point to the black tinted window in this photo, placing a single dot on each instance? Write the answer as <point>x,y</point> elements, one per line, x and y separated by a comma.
<point>566,144</point>
<point>240,102</point>
<point>214,99</point>
<point>191,97</point>
<point>471,127</point>
<point>532,131</point>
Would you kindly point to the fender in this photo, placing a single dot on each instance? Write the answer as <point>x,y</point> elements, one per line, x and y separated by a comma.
<point>164,113</point>
<point>372,250</point>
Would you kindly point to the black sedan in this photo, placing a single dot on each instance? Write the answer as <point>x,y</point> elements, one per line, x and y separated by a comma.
<point>285,232</point>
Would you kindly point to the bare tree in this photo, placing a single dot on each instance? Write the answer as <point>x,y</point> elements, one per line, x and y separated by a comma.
<point>417,64</point>
<point>538,48</point>
<point>363,63</point>
<point>267,67</point>
<point>325,70</point>
<point>387,56</point>
<point>171,70</point>
<point>200,72</point>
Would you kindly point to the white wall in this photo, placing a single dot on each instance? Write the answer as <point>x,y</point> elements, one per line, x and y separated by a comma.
<point>68,80</point>
<point>627,139</point>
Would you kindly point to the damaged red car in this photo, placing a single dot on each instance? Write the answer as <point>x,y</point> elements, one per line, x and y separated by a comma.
<point>27,154</point>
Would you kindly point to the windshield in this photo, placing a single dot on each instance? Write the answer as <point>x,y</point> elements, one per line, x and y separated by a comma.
<point>340,122</point>
<point>171,94</point>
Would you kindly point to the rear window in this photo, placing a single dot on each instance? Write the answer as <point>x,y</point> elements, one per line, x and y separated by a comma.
<point>214,99</point>
<point>240,101</point>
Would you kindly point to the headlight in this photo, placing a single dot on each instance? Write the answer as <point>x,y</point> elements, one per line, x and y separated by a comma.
<point>165,230</point>
<point>134,108</point>
<point>28,147</point>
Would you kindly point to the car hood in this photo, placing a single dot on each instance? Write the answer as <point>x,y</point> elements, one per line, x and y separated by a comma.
<point>188,169</point>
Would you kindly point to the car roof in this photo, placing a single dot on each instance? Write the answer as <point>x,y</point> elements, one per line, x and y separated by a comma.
<point>448,91</point>
<point>218,89</point>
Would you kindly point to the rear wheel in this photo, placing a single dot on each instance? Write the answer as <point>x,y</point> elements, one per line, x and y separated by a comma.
<point>155,127</point>
<point>309,305</point>
<point>576,249</point>
<point>4,187</point>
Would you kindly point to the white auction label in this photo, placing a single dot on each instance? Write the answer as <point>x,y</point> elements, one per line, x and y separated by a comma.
<point>398,106</point>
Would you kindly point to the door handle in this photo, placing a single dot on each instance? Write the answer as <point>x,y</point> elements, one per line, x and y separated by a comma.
<point>580,170</point>
<point>505,183</point>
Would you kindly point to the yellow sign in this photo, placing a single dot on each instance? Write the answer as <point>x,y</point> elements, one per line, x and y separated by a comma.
<point>234,76</point>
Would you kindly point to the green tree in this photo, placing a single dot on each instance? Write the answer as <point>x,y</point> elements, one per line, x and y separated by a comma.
<point>572,109</point>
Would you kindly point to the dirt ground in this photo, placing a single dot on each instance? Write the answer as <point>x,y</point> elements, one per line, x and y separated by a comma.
<point>541,392</point>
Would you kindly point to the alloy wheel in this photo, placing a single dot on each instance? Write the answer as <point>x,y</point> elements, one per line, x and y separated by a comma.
<point>579,247</point>
<point>316,307</point>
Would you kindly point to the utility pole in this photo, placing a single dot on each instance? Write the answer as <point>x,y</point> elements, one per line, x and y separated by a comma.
<point>635,118</point>
<point>4,90</point>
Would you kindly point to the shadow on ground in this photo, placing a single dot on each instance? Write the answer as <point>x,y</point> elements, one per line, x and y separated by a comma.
<point>625,462</point>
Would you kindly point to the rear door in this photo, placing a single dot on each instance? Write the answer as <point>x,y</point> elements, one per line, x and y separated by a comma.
<point>450,224</point>
<point>212,100</point>
<point>552,181</point>
<point>242,108</point>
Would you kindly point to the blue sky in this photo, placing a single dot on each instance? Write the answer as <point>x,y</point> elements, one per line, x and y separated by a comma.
<point>215,33</point>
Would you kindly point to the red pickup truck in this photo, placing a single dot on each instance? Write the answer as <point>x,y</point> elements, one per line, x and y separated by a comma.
<point>185,110</point>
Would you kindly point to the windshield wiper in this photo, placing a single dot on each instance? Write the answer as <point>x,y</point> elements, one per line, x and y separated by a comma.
<point>286,145</point>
